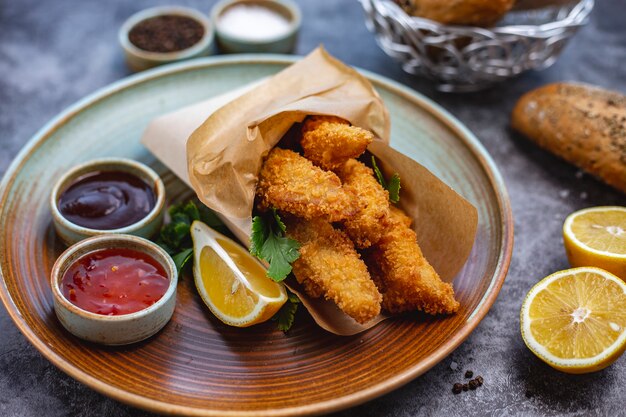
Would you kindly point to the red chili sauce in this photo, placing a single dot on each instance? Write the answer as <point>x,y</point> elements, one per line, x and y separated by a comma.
<point>107,200</point>
<point>113,282</point>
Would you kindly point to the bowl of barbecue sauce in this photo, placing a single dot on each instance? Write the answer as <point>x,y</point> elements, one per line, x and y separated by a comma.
<point>114,289</point>
<point>112,195</point>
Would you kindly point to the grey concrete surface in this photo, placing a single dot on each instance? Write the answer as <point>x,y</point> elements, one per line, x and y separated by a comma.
<point>52,53</point>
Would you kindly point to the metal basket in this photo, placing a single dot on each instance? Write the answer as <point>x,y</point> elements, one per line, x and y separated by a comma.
<point>464,58</point>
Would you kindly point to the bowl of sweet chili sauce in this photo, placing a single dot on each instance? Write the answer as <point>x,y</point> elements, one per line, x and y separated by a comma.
<point>114,289</point>
<point>109,195</point>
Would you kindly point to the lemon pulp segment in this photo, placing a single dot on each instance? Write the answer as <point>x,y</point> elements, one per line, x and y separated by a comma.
<point>602,230</point>
<point>578,316</point>
<point>575,320</point>
<point>226,292</point>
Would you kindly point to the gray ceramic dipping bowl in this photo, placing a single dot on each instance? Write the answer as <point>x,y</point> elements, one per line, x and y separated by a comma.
<point>113,330</point>
<point>281,44</point>
<point>139,59</point>
<point>147,227</point>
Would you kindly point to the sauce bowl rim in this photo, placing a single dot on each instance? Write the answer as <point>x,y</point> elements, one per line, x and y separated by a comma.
<point>295,20</point>
<point>74,174</point>
<point>94,244</point>
<point>205,41</point>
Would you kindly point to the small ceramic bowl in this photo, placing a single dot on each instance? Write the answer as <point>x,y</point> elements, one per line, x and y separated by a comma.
<point>147,227</point>
<point>113,330</point>
<point>284,43</point>
<point>139,59</point>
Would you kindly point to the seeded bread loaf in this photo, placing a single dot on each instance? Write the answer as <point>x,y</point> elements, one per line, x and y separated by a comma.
<point>459,12</point>
<point>582,124</point>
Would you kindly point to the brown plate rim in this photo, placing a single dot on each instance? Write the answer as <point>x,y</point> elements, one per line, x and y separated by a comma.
<point>473,145</point>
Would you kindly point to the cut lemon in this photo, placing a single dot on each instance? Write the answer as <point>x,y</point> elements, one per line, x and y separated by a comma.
<point>597,237</point>
<point>231,282</point>
<point>575,320</point>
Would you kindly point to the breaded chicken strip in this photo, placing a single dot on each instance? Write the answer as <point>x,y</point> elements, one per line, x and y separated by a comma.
<point>406,279</point>
<point>291,183</point>
<point>400,216</point>
<point>330,141</point>
<point>367,226</point>
<point>329,266</point>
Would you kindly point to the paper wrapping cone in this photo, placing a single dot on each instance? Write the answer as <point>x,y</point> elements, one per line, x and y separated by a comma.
<point>225,153</point>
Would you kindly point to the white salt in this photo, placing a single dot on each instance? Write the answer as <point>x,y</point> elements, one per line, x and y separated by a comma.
<point>253,23</point>
<point>564,193</point>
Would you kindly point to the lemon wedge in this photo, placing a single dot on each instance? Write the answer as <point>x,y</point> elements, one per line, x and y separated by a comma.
<point>597,237</point>
<point>575,320</point>
<point>230,281</point>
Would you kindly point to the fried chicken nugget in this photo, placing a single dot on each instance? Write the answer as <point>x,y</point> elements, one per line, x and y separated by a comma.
<point>329,266</point>
<point>291,183</point>
<point>330,141</point>
<point>406,279</point>
<point>367,226</point>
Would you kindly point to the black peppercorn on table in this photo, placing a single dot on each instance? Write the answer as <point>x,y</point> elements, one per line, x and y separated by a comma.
<point>52,53</point>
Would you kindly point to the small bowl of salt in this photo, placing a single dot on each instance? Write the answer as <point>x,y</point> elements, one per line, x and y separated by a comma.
<point>243,26</point>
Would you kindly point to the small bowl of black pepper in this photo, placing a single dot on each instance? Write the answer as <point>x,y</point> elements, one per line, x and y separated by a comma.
<point>162,35</point>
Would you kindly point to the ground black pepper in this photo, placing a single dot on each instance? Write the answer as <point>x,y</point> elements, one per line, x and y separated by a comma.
<point>469,374</point>
<point>169,33</point>
<point>473,384</point>
<point>465,387</point>
<point>479,379</point>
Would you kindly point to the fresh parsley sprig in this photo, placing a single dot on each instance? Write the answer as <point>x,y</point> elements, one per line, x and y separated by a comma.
<point>269,243</point>
<point>287,313</point>
<point>175,236</point>
<point>393,186</point>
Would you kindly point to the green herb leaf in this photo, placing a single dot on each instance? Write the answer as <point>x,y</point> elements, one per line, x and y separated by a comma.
<point>279,252</point>
<point>393,186</point>
<point>269,243</point>
<point>175,237</point>
<point>278,221</point>
<point>182,258</point>
<point>191,210</point>
<point>260,232</point>
<point>287,313</point>
<point>379,175</point>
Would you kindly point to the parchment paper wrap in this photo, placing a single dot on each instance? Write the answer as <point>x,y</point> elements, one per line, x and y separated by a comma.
<point>225,153</point>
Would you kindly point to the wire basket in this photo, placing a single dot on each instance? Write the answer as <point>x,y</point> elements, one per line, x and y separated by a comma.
<point>464,58</point>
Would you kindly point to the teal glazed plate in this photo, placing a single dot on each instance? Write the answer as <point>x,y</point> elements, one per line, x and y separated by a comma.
<point>196,365</point>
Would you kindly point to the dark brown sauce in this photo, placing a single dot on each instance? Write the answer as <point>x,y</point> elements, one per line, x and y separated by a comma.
<point>107,200</point>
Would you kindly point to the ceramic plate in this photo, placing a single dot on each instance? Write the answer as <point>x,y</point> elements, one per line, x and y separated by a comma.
<point>196,365</point>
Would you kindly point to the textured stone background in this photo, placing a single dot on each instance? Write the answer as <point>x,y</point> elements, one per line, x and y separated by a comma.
<point>53,53</point>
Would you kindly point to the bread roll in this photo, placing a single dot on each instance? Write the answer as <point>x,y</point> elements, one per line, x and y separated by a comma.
<point>459,12</point>
<point>582,124</point>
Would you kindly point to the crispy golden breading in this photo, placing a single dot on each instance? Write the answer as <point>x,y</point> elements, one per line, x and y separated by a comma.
<point>400,216</point>
<point>406,279</point>
<point>329,141</point>
<point>367,226</point>
<point>291,183</point>
<point>329,266</point>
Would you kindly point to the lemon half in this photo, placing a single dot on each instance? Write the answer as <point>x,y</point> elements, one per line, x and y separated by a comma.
<point>231,282</point>
<point>597,237</point>
<point>575,320</point>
